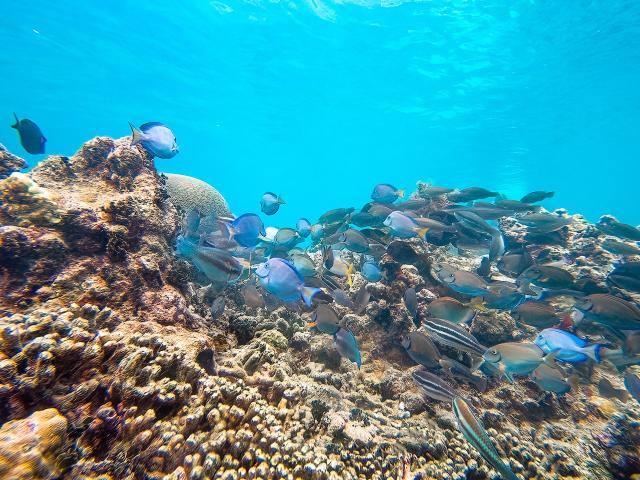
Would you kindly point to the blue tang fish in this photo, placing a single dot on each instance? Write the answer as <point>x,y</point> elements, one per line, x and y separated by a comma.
<point>270,203</point>
<point>403,226</point>
<point>247,230</point>
<point>371,271</point>
<point>156,138</point>
<point>303,226</point>
<point>567,346</point>
<point>385,193</point>
<point>280,277</point>
<point>347,346</point>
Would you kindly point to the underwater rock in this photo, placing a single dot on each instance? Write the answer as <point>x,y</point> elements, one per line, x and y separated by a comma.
<point>29,447</point>
<point>10,163</point>
<point>189,193</point>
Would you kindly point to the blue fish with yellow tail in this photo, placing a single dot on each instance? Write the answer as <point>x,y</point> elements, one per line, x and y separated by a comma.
<point>282,279</point>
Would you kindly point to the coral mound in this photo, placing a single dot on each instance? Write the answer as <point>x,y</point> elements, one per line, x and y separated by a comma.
<point>188,193</point>
<point>9,163</point>
<point>29,447</point>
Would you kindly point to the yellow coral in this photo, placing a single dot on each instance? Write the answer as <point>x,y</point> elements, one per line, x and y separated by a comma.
<point>28,446</point>
<point>23,201</point>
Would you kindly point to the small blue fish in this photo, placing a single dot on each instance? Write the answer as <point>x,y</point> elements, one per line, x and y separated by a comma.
<point>247,230</point>
<point>347,346</point>
<point>281,278</point>
<point>270,203</point>
<point>317,231</point>
<point>404,226</point>
<point>385,193</point>
<point>371,271</point>
<point>156,138</point>
<point>567,346</point>
<point>303,226</point>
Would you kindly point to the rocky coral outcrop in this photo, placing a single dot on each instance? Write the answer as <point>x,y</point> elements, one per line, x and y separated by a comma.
<point>9,163</point>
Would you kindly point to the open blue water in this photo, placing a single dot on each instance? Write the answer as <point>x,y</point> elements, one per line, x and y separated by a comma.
<point>319,100</point>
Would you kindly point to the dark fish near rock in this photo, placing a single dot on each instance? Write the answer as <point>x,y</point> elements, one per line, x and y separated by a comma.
<point>458,370</point>
<point>347,345</point>
<point>251,295</point>
<point>336,215</point>
<point>544,222</point>
<point>354,241</point>
<point>631,344</point>
<point>612,226</point>
<point>411,302</point>
<point>620,248</point>
<point>513,263</point>
<point>610,311</point>
<point>502,296</point>
<point>461,281</point>
<point>632,384</point>
<point>31,137</point>
<point>607,390</point>
<point>341,298</point>
<point>626,276</point>
<point>551,379</point>
<point>325,319</point>
<point>536,196</point>
<point>217,308</point>
<point>469,194</point>
<point>421,349</point>
<point>450,309</point>
<point>547,276</point>
<point>361,299</point>
<point>218,265</point>
<point>536,314</point>
<point>452,335</point>
<point>484,269</point>
<point>432,191</point>
<point>473,430</point>
<point>433,386</point>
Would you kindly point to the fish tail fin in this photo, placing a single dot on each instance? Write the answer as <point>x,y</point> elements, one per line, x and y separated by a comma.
<point>551,359</point>
<point>349,274</point>
<point>280,200</point>
<point>593,352</point>
<point>422,231</point>
<point>400,193</point>
<point>308,293</point>
<point>136,134</point>
<point>15,125</point>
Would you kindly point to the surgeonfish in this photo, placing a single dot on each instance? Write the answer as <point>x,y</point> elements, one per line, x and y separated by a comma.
<point>325,319</point>
<point>421,349</point>
<point>347,345</point>
<point>156,138</point>
<point>385,193</point>
<point>281,278</point>
<point>270,203</point>
<point>567,346</point>
<point>514,358</point>
<point>450,309</point>
<point>31,137</point>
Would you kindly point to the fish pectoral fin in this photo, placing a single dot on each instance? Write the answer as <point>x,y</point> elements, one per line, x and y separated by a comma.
<point>312,324</point>
<point>551,359</point>
<point>421,232</point>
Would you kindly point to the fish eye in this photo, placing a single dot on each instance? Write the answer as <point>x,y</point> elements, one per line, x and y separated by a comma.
<point>493,352</point>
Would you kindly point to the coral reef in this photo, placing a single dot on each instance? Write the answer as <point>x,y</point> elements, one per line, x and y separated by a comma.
<point>111,357</point>
<point>9,163</point>
<point>189,193</point>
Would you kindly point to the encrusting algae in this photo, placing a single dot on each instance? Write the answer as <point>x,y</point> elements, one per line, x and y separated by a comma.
<point>114,365</point>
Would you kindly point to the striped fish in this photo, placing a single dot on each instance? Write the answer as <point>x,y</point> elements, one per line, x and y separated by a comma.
<point>452,335</point>
<point>433,386</point>
<point>477,436</point>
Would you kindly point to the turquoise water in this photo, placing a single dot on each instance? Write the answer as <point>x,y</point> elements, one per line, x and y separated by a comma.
<point>320,100</point>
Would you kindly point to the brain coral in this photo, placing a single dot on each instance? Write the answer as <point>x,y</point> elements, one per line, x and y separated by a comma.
<point>188,192</point>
